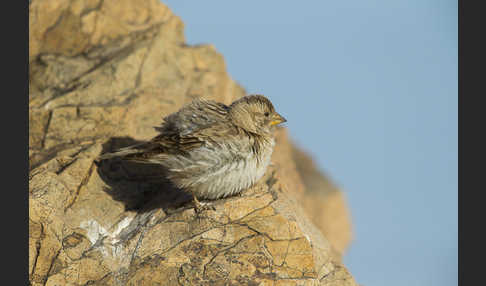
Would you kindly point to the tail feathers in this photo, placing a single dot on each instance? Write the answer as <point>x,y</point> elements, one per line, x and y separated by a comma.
<point>140,153</point>
<point>120,153</point>
<point>132,153</point>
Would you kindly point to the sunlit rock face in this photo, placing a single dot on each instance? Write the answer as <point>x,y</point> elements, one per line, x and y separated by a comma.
<point>102,75</point>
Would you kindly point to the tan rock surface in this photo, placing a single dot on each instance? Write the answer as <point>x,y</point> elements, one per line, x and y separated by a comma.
<point>102,74</point>
<point>324,203</point>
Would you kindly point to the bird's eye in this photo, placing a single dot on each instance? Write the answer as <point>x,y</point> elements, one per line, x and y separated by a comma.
<point>266,114</point>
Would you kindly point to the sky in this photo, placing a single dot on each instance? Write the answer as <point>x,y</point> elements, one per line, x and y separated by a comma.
<point>369,88</point>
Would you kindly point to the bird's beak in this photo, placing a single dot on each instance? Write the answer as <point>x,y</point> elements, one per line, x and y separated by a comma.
<point>277,119</point>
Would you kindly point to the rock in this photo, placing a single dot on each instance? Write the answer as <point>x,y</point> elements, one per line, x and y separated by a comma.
<point>101,75</point>
<point>324,203</point>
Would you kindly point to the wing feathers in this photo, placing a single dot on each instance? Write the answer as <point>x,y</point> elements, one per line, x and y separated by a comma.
<point>180,132</point>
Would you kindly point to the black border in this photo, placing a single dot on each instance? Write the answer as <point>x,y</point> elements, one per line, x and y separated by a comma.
<point>14,23</point>
<point>471,78</point>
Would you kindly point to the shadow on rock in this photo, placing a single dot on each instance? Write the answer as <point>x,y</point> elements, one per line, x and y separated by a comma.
<point>141,187</point>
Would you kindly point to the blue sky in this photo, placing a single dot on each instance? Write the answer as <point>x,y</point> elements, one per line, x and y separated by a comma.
<point>369,88</point>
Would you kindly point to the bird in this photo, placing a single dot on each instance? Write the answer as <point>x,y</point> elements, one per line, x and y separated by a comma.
<point>209,149</point>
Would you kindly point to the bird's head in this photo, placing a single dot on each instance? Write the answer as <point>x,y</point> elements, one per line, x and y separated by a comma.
<point>255,114</point>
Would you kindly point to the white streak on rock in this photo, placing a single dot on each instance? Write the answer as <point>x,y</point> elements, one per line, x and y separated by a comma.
<point>95,232</point>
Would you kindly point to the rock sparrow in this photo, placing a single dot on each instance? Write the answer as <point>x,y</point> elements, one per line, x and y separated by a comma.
<point>212,150</point>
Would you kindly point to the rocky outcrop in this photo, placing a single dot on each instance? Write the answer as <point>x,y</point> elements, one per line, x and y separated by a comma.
<point>102,74</point>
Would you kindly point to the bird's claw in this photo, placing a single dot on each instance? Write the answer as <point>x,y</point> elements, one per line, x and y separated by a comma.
<point>202,206</point>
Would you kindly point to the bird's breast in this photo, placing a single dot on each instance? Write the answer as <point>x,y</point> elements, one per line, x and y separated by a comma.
<point>229,170</point>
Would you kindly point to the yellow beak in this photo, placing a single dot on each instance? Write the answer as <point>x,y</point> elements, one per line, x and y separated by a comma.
<point>277,119</point>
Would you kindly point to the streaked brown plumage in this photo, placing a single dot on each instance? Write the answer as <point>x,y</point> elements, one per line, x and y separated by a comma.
<point>212,150</point>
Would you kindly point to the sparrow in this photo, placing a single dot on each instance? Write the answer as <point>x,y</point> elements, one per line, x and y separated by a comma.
<point>209,149</point>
